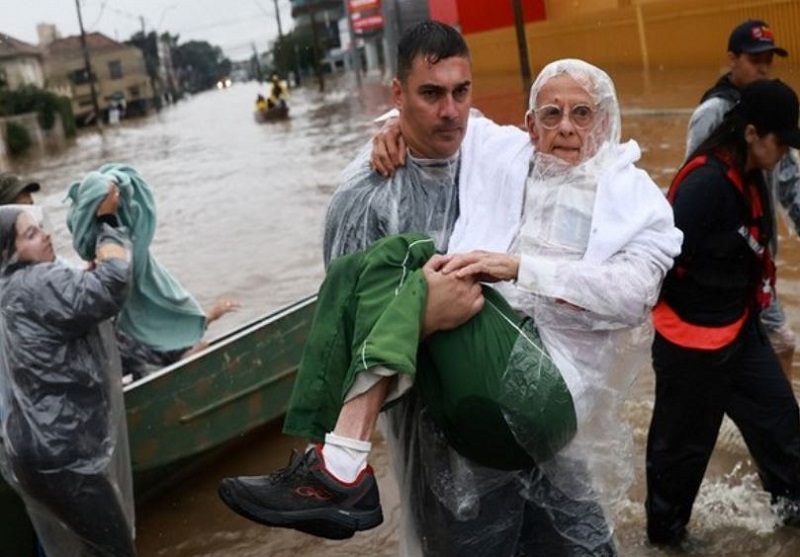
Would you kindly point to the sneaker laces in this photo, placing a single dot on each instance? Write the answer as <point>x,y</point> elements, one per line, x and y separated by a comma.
<point>297,460</point>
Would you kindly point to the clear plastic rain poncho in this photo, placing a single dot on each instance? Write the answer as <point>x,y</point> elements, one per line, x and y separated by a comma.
<point>597,238</point>
<point>420,197</point>
<point>63,435</point>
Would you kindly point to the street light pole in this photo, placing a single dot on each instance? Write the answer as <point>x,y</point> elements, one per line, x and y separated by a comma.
<point>88,65</point>
<point>355,56</point>
<point>315,47</point>
<point>522,46</point>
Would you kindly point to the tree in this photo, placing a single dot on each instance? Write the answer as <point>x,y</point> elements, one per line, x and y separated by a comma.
<point>293,52</point>
<point>201,65</point>
<point>148,44</point>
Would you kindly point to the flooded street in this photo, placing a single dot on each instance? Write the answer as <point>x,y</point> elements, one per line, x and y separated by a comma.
<point>241,208</point>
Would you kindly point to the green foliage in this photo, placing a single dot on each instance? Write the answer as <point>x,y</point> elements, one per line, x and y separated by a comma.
<point>30,98</point>
<point>64,108</point>
<point>149,46</point>
<point>293,51</point>
<point>201,65</point>
<point>17,138</point>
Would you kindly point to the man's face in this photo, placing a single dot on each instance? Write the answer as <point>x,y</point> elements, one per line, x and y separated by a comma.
<point>33,242</point>
<point>564,137</point>
<point>747,68</point>
<point>434,105</point>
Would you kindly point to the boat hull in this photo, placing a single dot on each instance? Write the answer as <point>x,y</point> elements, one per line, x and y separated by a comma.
<point>280,112</point>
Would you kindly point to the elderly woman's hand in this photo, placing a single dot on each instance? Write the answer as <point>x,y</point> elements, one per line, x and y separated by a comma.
<point>388,149</point>
<point>484,266</point>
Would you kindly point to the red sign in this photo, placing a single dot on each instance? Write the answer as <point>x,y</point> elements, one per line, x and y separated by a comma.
<point>368,23</point>
<point>356,6</point>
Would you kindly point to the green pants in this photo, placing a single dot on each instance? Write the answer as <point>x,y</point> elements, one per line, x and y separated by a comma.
<point>489,384</point>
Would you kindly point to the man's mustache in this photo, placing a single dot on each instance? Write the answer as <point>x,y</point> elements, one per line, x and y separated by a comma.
<point>447,127</point>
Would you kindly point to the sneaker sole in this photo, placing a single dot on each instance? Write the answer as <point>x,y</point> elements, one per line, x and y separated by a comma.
<point>324,523</point>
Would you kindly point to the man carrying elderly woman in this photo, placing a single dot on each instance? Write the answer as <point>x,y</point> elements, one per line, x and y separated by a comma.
<point>499,427</point>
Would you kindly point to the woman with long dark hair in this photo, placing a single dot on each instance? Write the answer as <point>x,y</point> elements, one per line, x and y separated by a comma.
<point>711,355</point>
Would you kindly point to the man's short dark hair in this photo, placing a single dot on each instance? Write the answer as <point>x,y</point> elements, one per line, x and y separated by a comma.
<point>435,41</point>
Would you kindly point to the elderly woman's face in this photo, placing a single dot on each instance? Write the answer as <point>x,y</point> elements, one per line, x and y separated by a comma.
<point>33,242</point>
<point>564,118</point>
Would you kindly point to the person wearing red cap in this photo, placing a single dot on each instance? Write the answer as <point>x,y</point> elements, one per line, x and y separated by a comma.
<point>751,51</point>
<point>709,354</point>
<point>15,190</point>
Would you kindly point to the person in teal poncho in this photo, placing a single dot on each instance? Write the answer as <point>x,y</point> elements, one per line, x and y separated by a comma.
<point>160,322</point>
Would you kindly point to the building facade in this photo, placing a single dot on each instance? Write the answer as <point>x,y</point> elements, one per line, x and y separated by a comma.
<point>119,74</point>
<point>20,64</point>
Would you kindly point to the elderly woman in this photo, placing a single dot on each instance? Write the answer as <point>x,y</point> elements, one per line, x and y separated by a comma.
<point>63,440</point>
<point>512,404</point>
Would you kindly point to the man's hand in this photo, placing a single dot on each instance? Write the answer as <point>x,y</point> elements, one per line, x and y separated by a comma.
<point>388,149</point>
<point>451,300</point>
<point>483,266</point>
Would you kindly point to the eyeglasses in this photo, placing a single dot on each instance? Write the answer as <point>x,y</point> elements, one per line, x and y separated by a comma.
<point>550,116</point>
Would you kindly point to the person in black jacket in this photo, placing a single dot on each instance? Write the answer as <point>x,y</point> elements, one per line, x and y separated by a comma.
<point>751,53</point>
<point>711,355</point>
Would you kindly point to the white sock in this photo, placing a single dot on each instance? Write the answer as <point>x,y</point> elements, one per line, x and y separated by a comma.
<point>345,458</point>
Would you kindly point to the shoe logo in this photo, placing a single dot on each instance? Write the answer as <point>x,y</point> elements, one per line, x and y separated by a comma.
<point>313,491</point>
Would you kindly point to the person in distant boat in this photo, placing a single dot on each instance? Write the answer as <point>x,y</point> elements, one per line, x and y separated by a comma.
<point>160,322</point>
<point>277,93</point>
<point>710,354</point>
<point>751,52</point>
<point>261,103</point>
<point>63,435</point>
<point>480,441</point>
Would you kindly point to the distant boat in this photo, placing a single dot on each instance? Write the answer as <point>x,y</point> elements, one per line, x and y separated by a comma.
<point>188,410</point>
<point>277,112</point>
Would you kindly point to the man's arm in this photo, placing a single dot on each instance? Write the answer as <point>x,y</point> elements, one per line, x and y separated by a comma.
<point>788,186</point>
<point>704,120</point>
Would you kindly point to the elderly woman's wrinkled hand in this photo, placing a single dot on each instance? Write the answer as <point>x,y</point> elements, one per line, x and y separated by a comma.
<point>388,149</point>
<point>483,266</point>
<point>221,308</point>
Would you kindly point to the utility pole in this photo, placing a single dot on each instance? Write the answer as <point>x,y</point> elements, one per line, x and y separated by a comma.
<point>355,56</point>
<point>278,17</point>
<point>88,66</point>
<point>315,47</point>
<point>522,46</point>
<point>259,77</point>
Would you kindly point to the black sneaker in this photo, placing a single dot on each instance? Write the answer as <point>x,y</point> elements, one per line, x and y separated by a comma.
<point>304,496</point>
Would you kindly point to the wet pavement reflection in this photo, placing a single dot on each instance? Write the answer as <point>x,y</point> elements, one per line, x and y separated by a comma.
<point>241,208</point>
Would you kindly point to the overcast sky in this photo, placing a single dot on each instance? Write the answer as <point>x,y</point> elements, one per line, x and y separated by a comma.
<point>233,25</point>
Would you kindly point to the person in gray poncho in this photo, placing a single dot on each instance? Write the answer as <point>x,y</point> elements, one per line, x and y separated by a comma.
<point>63,437</point>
